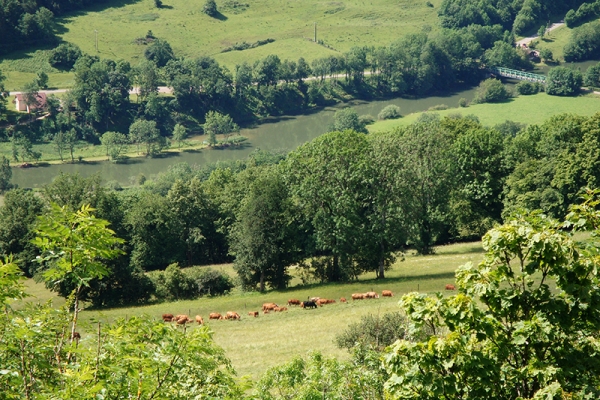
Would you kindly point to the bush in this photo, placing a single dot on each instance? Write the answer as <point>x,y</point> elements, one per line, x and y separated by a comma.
<point>177,284</point>
<point>584,43</point>
<point>373,331</point>
<point>389,112</point>
<point>366,119</point>
<point>463,102</point>
<point>491,91</point>
<point>527,88</point>
<point>160,52</point>
<point>64,56</point>
<point>563,81</point>
<point>592,76</point>
<point>210,8</point>
<point>438,107</point>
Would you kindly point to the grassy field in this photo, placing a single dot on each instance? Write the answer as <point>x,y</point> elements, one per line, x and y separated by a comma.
<point>254,345</point>
<point>340,25</point>
<point>524,109</point>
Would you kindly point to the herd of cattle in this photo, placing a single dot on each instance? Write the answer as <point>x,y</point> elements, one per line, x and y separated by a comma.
<point>267,308</point>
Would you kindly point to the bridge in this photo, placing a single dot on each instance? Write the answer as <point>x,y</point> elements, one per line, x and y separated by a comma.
<point>520,75</point>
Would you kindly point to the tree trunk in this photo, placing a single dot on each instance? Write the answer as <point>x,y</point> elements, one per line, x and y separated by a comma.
<point>262,281</point>
<point>381,274</point>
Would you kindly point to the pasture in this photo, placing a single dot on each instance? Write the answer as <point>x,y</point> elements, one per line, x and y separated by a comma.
<point>341,25</point>
<point>255,344</point>
<point>533,109</point>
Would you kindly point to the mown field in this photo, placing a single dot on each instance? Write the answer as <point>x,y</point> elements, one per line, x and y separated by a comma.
<point>253,345</point>
<point>340,25</point>
<point>524,109</point>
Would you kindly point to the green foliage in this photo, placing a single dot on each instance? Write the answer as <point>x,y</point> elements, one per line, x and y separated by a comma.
<point>177,284</point>
<point>18,217</point>
<point>389,112</point>
<point>585,12</point>
<point>347,119</point>
<point>373,331</point>
<point>160,52</point>
<point>218,124</point>
<point>562,81</point>
<point>491,91</point>
<point>320,377</point>
<point>179,134</point>
<point>584,43</point>
<point>115,143</point>
<point>74,191</point>
<point>210,8</point>
<point>528,88</point>
<point>546,54</point>
<point>521,325</point>
<point>592,76</point>
<point>505,55</point>
<point>146,133</point>
<point>5,174</point>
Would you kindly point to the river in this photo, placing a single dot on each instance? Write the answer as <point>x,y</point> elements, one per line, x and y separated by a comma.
<point>284,133</point>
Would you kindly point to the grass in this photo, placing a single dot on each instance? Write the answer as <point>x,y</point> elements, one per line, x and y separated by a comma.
<point>253,345</point>
<point>341,25</point>
<point>524,109</point>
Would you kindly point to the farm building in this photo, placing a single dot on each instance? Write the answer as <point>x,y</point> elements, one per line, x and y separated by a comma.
<point>21,104</point>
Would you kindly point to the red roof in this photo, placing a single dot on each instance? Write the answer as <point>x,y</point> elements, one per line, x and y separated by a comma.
<point>40,103</point>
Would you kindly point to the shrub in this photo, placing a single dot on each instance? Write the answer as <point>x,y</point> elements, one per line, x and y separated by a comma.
<point>210,8</point>
<point>584,43</point>
<point>463,102</point>
<point>546,54</point>
<point>64,56</point>
<point>177,284</point>
<point>366,119</point>
<point>491,91</point>
<point>389,112</point>
<point>592,76</point>
<point>563,81</point>
<point>373,331</point>
<point>438,107</point>
<point>210,282</point>
<point>527,88</point>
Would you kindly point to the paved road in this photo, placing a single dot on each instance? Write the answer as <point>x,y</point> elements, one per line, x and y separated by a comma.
<point>530,39</point>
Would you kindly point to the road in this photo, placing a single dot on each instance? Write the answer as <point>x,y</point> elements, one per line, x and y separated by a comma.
<point>530,39</point>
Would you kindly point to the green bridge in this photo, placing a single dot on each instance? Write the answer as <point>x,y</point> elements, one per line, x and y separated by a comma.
<point>520,75</point>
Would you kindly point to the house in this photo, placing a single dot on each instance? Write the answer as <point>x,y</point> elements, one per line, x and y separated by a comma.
<point>21,104</point>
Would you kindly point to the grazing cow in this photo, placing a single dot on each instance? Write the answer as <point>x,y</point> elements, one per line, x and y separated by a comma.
<point>282,309</point>
<point>450,287</point>
<point>371,295</point>
<point>232,315</point>
<point>342,299</point>
<point>293,302</point>
<point>182,319</point>
<point>214,315</point>
<point>314,299</point>
<point>199,320</point>
<point>320,302</point>
<point>387,293</point>
<point>358,296</point>
<point>308,304</point>
<point>167,317</point>
<point>253,313</point>
<point>269,306</point>
<point>330,301</point>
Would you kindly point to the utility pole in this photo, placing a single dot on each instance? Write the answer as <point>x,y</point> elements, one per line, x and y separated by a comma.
<point>96,32</point>
<point>315,32</point>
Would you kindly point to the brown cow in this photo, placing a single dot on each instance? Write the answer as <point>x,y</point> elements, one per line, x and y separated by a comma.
<point>342,299</point>
<point>315,299</point>
<point>214,315</point>
<point>167,317</point>
<point>253,313</point>
<point>293,302</point>
<point>330,301</point>
<point>265,311</point>
<point>232,315</point>
<point>182,319</point>
<point>450,287</point>
<point>371,295</point>
<point>282,309</point>
<point>387,293</point>
<point>358,296</point>
<point>269,306</point>
<point>199,320</point>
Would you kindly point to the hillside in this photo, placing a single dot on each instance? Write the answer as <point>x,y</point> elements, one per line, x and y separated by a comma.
<point>340,25</point>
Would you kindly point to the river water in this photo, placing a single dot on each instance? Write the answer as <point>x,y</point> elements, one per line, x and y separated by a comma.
<point>285,133</point>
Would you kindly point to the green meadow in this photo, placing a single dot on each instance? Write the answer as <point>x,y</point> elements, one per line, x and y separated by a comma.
<point>255,344</point>
<point>340,25</point>
<point>524,109</point>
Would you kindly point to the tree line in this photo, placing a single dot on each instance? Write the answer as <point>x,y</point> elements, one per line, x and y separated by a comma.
<point>340,205</point>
